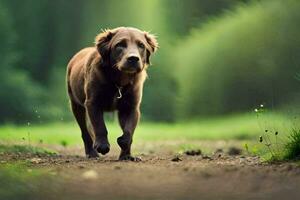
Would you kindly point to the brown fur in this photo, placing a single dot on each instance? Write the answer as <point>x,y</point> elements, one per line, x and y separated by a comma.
<point>118,60</point>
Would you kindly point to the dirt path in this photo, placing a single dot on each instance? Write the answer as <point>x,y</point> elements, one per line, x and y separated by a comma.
<point>218,176</point>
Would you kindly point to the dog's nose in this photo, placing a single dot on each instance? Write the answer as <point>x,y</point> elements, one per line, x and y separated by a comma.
<point>133,59</point>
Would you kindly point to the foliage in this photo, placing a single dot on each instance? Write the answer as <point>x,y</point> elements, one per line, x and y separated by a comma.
<point>17,91</point>
<point>250,53</point>
<point>239,59</point>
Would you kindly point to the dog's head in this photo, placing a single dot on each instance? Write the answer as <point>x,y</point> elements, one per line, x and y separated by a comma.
<point>127,49</point>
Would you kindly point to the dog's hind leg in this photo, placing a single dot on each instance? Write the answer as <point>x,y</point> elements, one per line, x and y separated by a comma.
<point>80,115</point>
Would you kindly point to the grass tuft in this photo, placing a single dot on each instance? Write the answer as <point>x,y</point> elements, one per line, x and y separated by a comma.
<point>292,147</point>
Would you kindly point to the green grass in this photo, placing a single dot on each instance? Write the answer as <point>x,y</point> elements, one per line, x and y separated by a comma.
<point>277,147</point>
<point>292,147</point>
<point>241,127</point>
<point>25,149</point>
<point>20,181</point>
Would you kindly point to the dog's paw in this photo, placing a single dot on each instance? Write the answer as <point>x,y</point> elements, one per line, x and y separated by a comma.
<point>130,158</point>
<point>102,147</point>
<point>92,154</point>
<point>124,142</point>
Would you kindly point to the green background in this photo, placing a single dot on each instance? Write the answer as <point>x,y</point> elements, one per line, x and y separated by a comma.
<point>216,58</point>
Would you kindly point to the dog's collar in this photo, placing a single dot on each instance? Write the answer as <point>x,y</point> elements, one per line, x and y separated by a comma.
<point>119,88</point>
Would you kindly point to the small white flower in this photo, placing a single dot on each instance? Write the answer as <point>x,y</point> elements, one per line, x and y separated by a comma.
<point>256,110</point>
<point>261,105</point>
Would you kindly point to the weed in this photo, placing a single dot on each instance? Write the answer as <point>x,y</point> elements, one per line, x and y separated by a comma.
<point>64,143</point>
<point>246,147</point>
<point>277,146</point>
<point>292,147</point>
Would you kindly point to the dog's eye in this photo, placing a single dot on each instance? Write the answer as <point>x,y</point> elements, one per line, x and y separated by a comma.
<point>141,45</point>
<point>121,44</point>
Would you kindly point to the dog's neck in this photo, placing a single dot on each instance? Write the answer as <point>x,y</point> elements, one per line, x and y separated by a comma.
<point>122,79</point>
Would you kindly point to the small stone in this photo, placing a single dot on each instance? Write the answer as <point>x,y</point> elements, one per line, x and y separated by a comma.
<point>193,152</point>
<point>206,157</point>
<point>90,174</point>
<point>35,160</point>
<point>242,161</point>
<point>137,159</point>
<point>233,151</point>
<point>176,159</point>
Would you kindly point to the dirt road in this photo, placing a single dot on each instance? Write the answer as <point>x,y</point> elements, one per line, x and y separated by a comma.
<point>215,176</point>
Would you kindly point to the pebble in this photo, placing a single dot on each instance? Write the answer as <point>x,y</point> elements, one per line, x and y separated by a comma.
<point>35,160</point>
<point>90,174</point>
<point>176,159</point>
<point>206,157</point>
<point>193,152</point>
<point>233,151</point>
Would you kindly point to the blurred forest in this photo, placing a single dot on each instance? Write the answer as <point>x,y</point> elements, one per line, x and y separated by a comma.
<point>216,57</point>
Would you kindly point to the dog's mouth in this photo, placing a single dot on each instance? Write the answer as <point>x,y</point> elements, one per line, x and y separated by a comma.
<point>130,69</point>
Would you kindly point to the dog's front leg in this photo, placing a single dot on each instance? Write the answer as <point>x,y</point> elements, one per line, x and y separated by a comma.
<point>95,114</point>
<point>128,120</point>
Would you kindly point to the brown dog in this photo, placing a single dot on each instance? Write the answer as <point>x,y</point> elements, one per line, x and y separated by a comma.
<point>107,77</point>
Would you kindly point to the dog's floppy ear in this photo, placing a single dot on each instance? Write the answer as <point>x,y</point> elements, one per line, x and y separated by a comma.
<point>102,42</point>
<point>152,42</point>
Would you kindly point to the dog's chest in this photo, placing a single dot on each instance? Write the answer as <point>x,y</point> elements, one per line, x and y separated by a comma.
<point>110,98</point>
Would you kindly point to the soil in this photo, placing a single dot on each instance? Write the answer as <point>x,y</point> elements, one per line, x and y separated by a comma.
<point>164,174</point>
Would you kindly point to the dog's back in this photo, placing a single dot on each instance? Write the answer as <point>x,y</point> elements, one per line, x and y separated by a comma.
<point>75,74</point>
